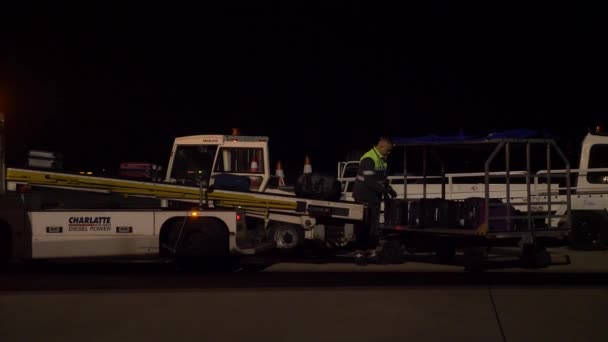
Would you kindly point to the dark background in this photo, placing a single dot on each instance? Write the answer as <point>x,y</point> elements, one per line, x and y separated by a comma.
<point>112,82</point>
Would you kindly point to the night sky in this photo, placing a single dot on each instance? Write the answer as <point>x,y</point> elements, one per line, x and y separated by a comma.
<point>109,83</point>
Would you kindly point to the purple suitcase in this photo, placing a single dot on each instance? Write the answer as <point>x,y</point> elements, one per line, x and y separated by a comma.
<point>472,214</point>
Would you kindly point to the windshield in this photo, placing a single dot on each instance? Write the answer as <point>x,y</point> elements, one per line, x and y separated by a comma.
<point>193,162</point>
<point>598,159</point>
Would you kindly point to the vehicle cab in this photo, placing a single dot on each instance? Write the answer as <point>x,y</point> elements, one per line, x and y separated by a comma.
<point>202,158</point>
<point>593,167</point>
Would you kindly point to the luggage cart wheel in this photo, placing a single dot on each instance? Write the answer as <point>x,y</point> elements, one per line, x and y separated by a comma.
<point>445,254</point>
<point>474,259</point>
<point>392,252</point>
<point>535,256</point>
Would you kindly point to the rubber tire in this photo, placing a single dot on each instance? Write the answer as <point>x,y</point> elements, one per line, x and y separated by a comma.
<point>204,248</point>
<point>589,230</point>
<point>535,256</point>
<point>5,246</point>
<point>292,231</point>
<point>445,255</point>
<point>474,259</point>
<point>391,253</point>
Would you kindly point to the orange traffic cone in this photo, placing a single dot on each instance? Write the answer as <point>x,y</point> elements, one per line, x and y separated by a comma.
<point>307,165</point>
<point>255,181</point>
<point>254,165</point>
<point>280,174</point>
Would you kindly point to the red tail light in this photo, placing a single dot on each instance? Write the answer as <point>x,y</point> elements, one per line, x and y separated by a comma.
<point>24,188</point>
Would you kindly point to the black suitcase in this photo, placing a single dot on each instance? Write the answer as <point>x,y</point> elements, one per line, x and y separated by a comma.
<point>435,213</point>
<point>226,181</point>
<point>395,212</point>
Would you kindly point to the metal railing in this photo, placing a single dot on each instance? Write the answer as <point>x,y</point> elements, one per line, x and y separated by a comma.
<point>526,194</point>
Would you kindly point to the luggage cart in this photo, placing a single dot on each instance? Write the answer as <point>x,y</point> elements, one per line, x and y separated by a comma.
<point>528,222</point>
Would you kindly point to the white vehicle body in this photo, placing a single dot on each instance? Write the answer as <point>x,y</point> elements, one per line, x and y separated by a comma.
<point>111,233</point>
<point>141,211</point>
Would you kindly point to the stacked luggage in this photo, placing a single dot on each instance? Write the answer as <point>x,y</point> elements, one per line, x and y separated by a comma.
<point>449,214</point>
<point>433,213</point>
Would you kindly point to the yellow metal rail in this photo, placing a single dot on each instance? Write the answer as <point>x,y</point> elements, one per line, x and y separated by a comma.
<point>157,190</point>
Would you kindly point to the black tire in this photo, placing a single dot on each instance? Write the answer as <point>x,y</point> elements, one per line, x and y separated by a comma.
<point>360,262</point>
<point>474,259</point>
<point>169,236</point>
<point>196,243</point>
<point>5,245</point>
<point>289,238</point>
<point>446,254</point>
<point>535,256</point>
<point>199,238</point>
<point>542,258</point>
<point>392,252</point>
<point>589,230</point>
<point>203,245</point>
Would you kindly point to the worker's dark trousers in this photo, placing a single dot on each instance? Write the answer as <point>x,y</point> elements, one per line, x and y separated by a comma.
<point>367,232</point>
